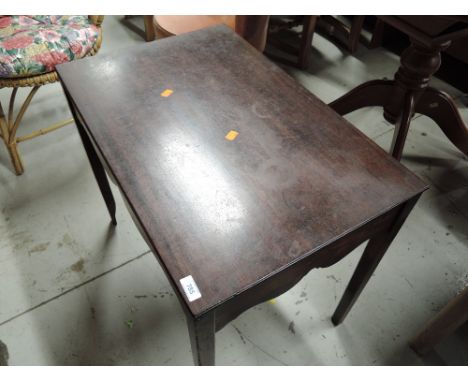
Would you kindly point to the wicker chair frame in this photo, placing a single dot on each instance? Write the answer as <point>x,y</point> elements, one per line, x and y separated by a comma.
<point>9,125</point>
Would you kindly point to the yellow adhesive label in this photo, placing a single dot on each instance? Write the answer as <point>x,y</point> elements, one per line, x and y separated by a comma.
<point>231,135</point>
<point>167,93</point>
<point>272,301</point>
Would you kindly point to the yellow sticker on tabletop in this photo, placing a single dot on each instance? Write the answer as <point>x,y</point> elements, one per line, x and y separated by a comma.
<point>231,135</point>
<point>167,93</point>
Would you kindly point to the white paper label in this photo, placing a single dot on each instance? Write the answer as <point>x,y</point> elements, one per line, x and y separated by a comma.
<point>190,288</point>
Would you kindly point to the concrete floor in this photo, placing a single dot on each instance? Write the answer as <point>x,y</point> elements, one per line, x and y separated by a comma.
<point>73,291</point>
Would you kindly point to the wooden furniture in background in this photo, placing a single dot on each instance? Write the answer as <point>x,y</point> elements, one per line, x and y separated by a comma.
<point>255,29</point>
<point>252,28</point>
<point>147,33</point>
<point>175,25</point>
<point>234,173</point>
<point>410,92</point>
<point>449,319</point>
<point>454,59</point>
<point>149,28</point>
<point>344,34</point>
<point>9,125</point>
<point>302,49</point>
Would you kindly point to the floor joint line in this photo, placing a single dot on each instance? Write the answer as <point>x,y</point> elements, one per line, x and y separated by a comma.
<point>73,288</point>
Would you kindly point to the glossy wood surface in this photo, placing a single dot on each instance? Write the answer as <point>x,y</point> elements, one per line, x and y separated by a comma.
<point>230,213</point>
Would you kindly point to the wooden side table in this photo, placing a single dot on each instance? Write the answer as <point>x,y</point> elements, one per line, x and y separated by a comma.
<point>238,178</point>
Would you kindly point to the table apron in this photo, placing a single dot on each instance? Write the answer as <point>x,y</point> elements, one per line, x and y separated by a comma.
<point>285,279</point>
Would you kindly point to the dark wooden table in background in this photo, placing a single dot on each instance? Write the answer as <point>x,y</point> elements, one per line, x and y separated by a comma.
<point>246,216</point>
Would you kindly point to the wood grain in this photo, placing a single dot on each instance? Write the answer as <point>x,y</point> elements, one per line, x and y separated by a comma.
<point>229,213</point>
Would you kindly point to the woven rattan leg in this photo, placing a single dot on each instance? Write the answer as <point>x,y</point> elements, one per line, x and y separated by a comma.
<point>15,158</point>
<point>10,142</point>
<point>9,127</point>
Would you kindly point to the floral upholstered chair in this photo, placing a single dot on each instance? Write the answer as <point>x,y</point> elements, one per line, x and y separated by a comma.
<point>30,47</point>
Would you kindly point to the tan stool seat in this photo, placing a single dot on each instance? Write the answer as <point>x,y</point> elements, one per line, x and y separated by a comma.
<point>177,25</point>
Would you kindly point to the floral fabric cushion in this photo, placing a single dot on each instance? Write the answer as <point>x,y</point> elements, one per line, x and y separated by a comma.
<point>31,45</point>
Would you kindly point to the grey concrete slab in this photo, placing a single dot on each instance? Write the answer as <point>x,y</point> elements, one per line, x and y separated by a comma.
<point>75,291</point>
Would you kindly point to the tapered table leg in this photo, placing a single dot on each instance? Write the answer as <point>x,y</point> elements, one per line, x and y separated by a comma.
<point>371,257</point>
<point>96,165</point>
<point>202,339</point>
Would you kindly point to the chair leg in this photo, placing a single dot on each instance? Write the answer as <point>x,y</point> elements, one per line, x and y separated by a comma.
<point>9,127</point>
<point>11,146</point>
<point>371,93</point>
<point>308,30</point>
<point>442,110</point>
<point>253,29</point>
<point>355,33</point>
<point>15,158</point>
<point>377,34</point>
<point>149,28</point>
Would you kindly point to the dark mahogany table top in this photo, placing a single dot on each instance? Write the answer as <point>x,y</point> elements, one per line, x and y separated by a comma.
<point>228,212</point>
